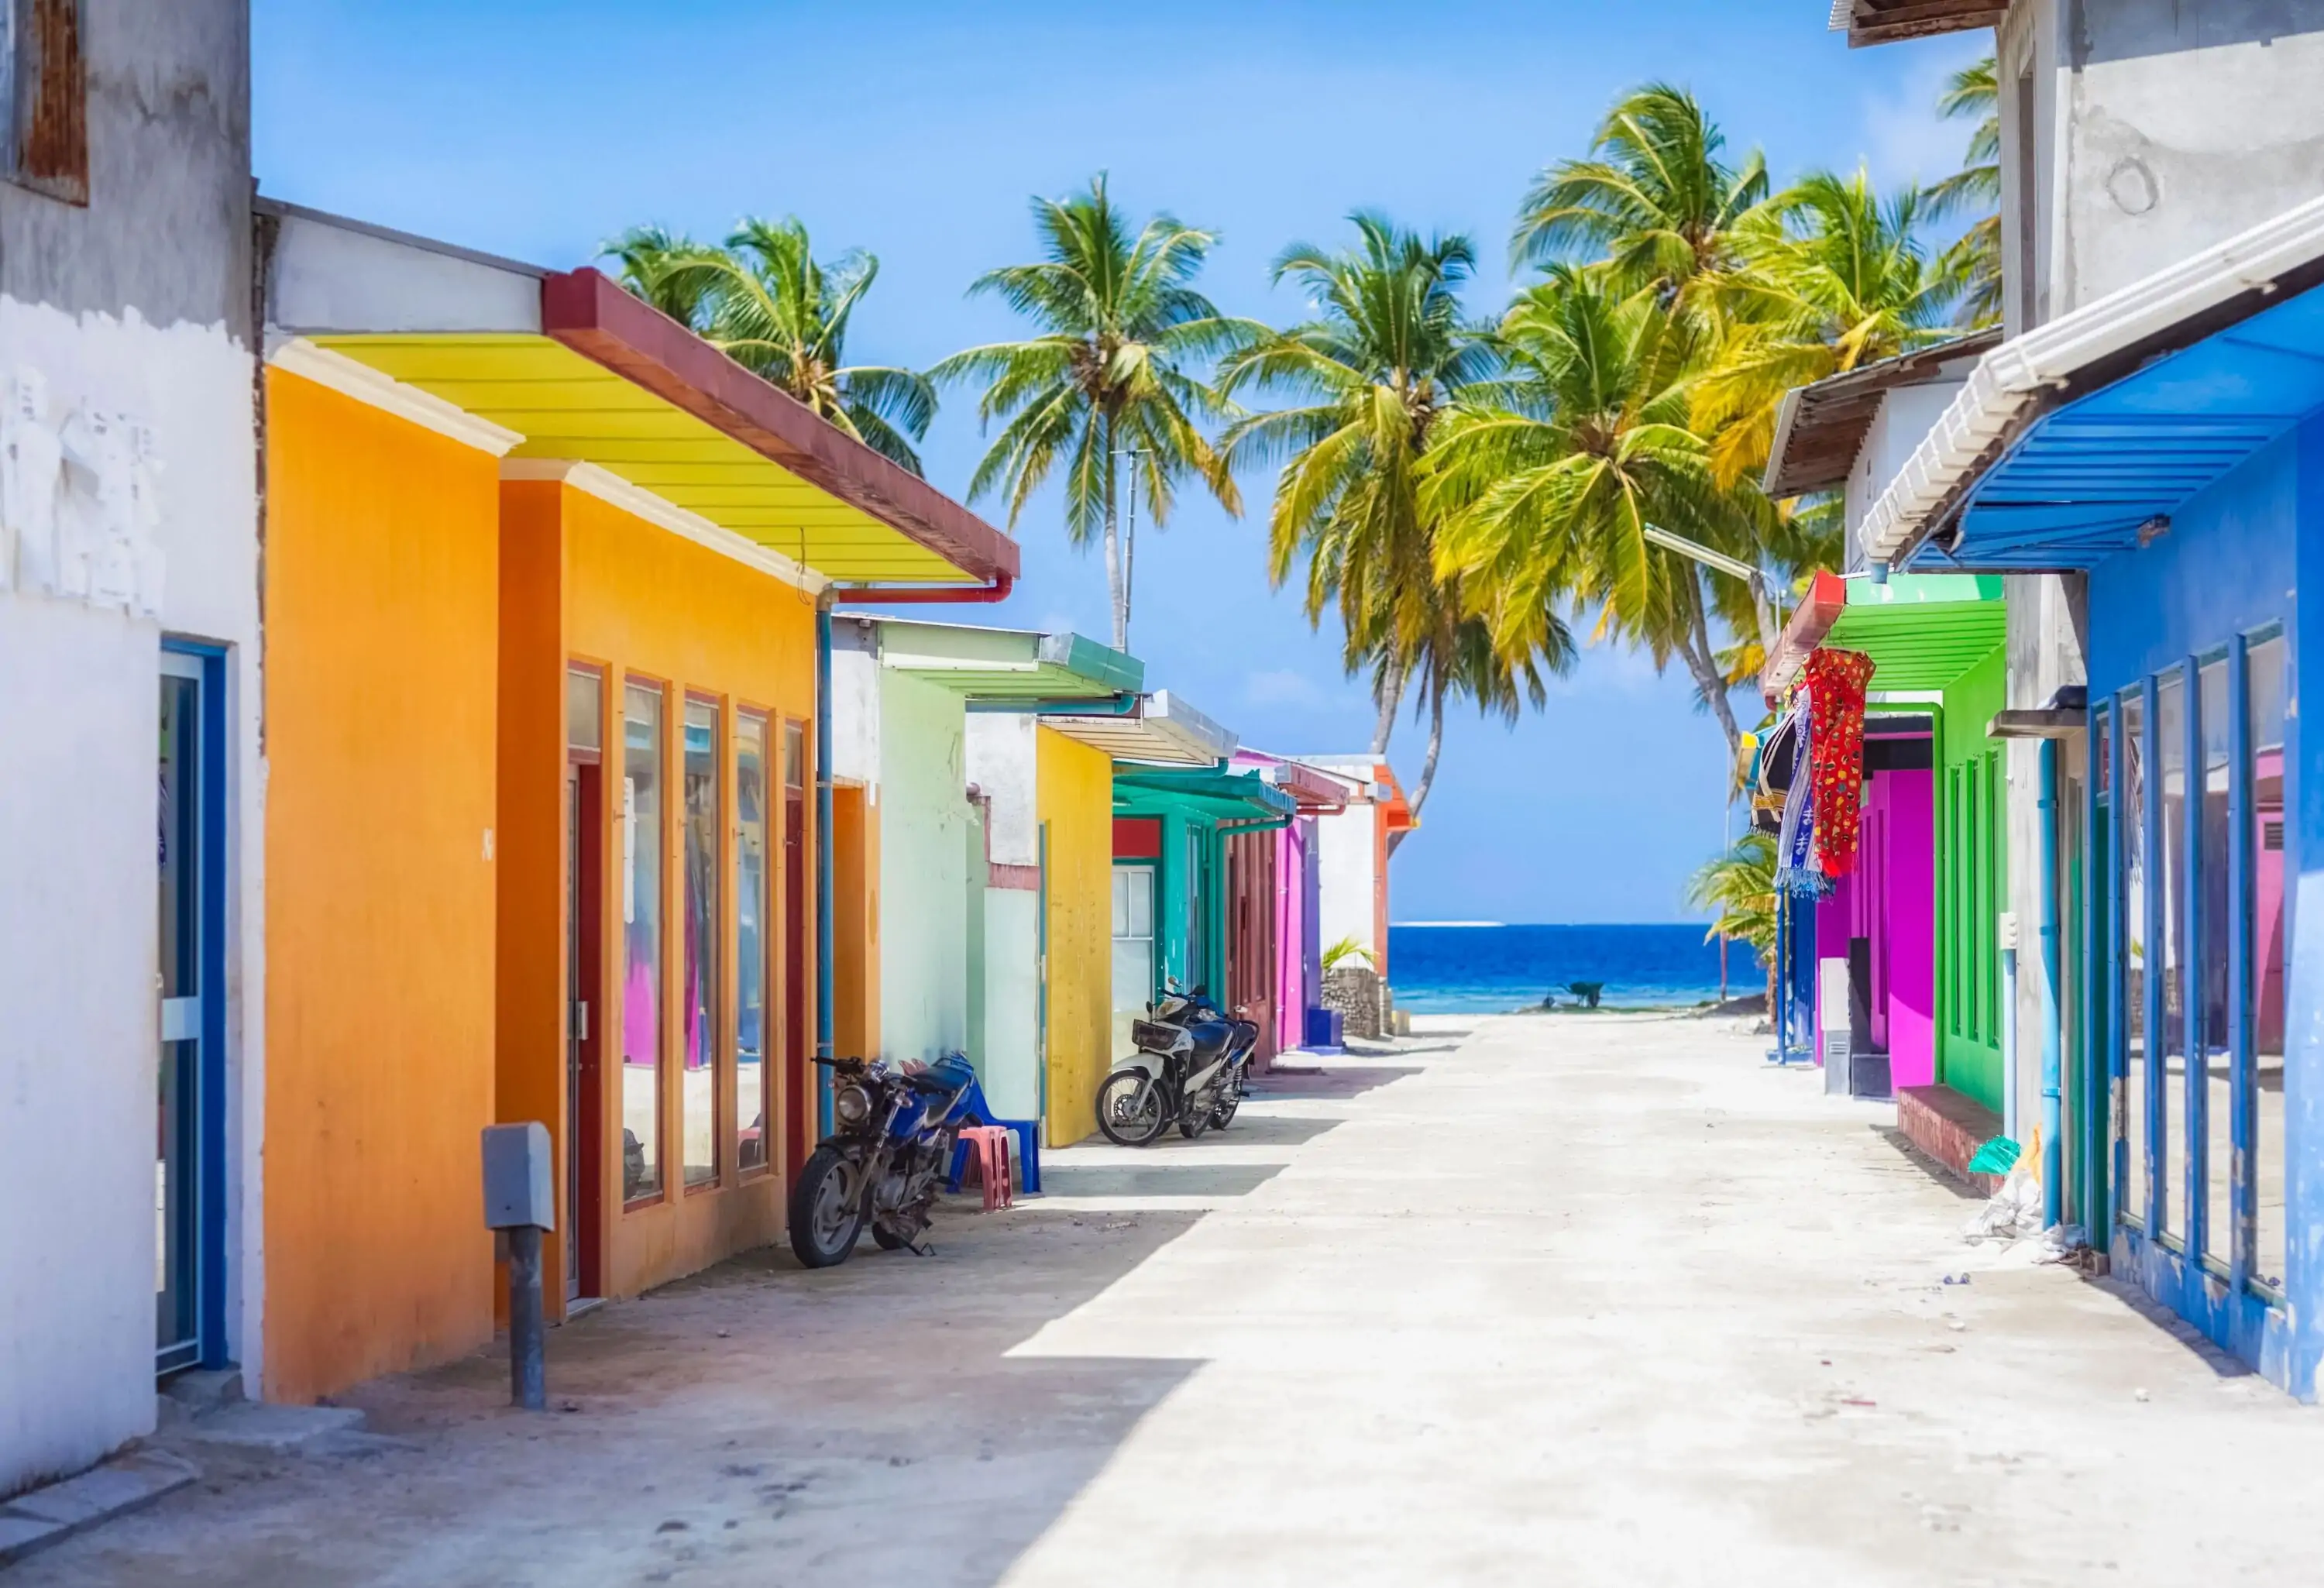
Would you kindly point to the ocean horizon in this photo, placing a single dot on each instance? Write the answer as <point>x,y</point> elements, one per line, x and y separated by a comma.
<point>1493,967</point>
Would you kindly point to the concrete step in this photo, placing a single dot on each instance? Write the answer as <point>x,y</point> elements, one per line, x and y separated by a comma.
<point>33,1522</point>
<point>1949,1127</point>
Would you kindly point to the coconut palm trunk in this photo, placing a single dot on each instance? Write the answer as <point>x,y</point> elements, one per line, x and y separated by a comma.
<point>1427,767</point>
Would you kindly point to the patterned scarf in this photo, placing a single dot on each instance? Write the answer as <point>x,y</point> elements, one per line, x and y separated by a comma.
<point>1835,681</point>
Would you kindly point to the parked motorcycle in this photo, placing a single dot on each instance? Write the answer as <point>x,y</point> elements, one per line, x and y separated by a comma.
<point>1190,1067</point>
<point>889,1149</point>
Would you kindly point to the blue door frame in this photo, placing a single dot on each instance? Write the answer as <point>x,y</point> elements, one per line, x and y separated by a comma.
<point>209,1107</point>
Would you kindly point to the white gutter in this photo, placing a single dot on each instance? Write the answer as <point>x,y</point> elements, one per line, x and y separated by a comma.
<point>2009,382</point>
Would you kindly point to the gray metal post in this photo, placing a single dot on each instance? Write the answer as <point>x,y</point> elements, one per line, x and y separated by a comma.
<point>527,1333</point>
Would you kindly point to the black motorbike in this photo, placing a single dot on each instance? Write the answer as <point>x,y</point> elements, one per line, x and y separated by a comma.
<point>1190,1069</point>
<point>890,1144</point>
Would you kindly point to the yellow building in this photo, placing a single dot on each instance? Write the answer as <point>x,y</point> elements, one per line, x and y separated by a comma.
<point>547,587</point>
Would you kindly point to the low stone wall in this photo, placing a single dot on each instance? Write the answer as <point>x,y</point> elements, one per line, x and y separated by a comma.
<point>1950,1127</point>
<point>1355,991</point>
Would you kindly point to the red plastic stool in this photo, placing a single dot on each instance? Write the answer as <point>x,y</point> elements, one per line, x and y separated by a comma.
<point>991,1146</point>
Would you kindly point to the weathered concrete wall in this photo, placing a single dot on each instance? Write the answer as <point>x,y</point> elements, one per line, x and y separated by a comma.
<point>167,226</point>
<point>137,309</point>
<point>2159,127</point>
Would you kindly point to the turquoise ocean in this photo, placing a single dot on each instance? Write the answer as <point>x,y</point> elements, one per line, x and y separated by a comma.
<point>1485,969</point>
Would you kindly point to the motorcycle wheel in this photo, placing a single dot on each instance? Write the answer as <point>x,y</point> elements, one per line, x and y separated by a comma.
<point>1223,1115</point>
<point>1119,1115</point>
<point>826,1213</point>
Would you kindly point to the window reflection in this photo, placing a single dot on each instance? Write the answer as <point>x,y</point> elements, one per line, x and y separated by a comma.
<point>2213,925</point>
<point>2264,705</point>
<point>641,910</point>
<point>2170,1040</point>
<point>2130,1125</point>
<point>698,1084</point>
<point>751,913</point>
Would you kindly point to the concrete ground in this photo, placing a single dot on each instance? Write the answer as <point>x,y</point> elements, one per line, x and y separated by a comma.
<point>1573,1300</point>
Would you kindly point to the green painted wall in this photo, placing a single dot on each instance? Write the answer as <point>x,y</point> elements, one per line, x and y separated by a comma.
<point>1972,884</point>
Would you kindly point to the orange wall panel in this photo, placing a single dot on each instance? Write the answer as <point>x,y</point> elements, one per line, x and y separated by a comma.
<point>381,722</point>
<point>636,598</point>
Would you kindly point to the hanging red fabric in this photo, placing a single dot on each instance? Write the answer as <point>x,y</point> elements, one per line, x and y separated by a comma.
<point>1835,681</point>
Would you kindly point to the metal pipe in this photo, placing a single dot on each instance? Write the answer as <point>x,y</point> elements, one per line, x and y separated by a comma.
<point>1103,705</point>
<point>2052,1059</point>
<point>2009,1027</point>
<point>528,1371</point>
<point>825,891</point>
<point>938,595</point>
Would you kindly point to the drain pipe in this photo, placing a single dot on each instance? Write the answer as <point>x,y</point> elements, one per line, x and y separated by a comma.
<point>2007,933</point>
<point>2052,1064</point>
<point>825,893</point>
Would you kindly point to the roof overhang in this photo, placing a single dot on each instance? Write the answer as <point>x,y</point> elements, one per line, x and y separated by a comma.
<point>1008,666</point>
<point>1160,730</point>
<point>1211,792</point>
<point>2078,439</point>
<point>1921,631</point>
<point>1882,22</point>
<point>572,367</point>
<point>1821,428</point>
<point>1316,792</point>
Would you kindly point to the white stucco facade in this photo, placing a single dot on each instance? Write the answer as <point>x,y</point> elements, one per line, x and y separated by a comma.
<point>1003,767</point>
<point>904,738</point>
<point>129,473</point>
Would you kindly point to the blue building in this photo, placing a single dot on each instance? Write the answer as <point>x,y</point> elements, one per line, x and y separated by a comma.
<point>2166,443</point>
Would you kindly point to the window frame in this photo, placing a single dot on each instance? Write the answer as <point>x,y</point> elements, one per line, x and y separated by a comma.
<point>666,880</point>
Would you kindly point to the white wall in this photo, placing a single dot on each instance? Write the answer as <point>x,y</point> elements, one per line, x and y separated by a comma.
<point>924,835</point>
<point>1346,850</point>
<point>1904,416</point>
<point>1003,764</point>
<point>78,1019</point>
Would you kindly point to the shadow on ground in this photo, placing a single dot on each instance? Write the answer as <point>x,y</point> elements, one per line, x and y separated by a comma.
<point>758,1424</point>
<point>1161,1179</point>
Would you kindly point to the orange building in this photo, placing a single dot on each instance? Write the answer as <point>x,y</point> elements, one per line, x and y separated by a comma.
<point>547,587</point>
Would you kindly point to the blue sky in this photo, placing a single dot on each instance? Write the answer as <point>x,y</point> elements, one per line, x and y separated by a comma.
<point>918,131</point>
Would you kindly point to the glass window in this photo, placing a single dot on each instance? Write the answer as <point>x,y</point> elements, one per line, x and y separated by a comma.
<point>2170,1040</point>
<point>2130,1119</point>
<point>2266,688</point>
<point>584,709</point>
<point>697,1116</point>
<point>641,909</point>
<point>794,755</point>
<point>753,910</point>
<point>2212,925</point>
<point>1133,948</point>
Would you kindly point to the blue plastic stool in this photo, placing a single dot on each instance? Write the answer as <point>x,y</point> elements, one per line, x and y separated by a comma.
<point>1028,1157</point>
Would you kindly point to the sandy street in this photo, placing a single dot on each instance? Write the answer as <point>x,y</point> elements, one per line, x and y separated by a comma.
<point>1553,1300</point>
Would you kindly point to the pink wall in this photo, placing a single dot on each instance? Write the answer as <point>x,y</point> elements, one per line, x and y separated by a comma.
<point>1292,995</point>
<point>1890,896</point>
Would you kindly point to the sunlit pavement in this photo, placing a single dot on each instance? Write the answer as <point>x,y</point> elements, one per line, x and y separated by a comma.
<point>1574,1301</point>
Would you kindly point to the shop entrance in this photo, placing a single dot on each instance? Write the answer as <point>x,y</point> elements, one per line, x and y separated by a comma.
<point>585,928</point>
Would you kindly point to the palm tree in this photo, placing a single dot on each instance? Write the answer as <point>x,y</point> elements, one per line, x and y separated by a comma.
<point>1111,376</point>
<point>762,299</point>
<point>1974,93</point>
<point>1739,886</point>
<point>1657,202</point>
<point>1388,353</point>
<point>1833,278</point>
<point>1550,480</point>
